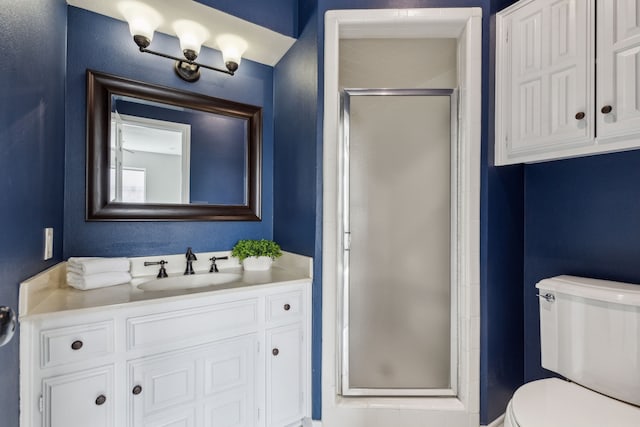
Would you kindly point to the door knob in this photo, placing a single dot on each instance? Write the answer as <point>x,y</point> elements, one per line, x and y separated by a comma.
<point>101,399</point>
<point>137,390</point>
<point>606,109</point>
<point>76,345</point>
<point>7,324</point>
<point>275,352</point>
<point>580,115</point>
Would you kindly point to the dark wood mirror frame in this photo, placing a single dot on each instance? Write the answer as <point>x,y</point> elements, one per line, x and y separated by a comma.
<point>100,88</point>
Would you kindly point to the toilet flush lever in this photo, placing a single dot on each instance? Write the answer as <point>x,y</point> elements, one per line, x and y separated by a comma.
<point>548,296</point>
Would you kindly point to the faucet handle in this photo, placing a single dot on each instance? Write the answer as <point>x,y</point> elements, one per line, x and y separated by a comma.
<point>163,272</point>
<point>190,255</point>
<point>214,267</point>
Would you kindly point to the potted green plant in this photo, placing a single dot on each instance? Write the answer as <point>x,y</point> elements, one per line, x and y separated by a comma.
<point>256,255</point>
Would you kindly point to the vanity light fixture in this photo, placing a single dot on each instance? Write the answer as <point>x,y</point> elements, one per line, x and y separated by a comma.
<point>144,20</point>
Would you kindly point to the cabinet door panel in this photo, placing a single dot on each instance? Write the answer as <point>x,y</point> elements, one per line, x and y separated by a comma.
<point>218,377</point>
<point>544,79</point>
<point>230,409</point>
<point>79,400</point>
<point>173,419</point>
<point>618,67</point>
<point>167,381</point>
<point>285,375</point>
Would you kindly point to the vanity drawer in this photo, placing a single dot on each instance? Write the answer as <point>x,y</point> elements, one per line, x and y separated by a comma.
<point>285,306</point>
<point>60,346</point>
<point>174,328</point>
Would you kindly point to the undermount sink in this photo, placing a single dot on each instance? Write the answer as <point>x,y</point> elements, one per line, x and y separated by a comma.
<point>189,281</point>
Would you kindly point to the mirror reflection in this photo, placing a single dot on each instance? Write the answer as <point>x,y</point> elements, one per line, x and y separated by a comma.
<point>160,153</point>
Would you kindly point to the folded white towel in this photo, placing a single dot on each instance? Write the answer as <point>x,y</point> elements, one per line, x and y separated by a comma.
<point>97,265</point>
<point>98,280</point>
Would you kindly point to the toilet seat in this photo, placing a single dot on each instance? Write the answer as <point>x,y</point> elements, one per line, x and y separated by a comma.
<point>557,403</point>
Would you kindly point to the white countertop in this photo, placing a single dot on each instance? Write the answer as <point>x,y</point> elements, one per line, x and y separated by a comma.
<point>48,292</point>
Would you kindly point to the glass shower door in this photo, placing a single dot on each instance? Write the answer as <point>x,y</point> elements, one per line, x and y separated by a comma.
<point>399,194</point>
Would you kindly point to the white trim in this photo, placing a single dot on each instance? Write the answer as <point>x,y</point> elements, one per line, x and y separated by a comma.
<point>466,24</point>
<point>498,422</point>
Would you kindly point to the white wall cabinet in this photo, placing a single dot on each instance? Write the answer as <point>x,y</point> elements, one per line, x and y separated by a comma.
<point>554,97</point>
<point>234,359</point>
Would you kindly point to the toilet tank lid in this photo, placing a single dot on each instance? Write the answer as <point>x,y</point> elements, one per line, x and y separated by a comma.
<point>595,289</point>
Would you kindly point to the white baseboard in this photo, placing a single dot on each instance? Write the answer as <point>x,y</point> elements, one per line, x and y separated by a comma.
<point>308,422</point>
<point>498,422</point>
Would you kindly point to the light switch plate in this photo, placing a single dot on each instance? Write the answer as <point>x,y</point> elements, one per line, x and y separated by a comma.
<point>48,243</point>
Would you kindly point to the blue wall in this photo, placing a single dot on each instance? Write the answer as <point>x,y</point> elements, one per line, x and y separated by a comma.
<point>32,49</point>
<point>298,168</point>
<point>583,219</point>
<point>501,337</point>
<point>278,15</point>
<point>104,44</point>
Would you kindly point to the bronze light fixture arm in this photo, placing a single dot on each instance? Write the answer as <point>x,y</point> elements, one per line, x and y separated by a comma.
<point>187,68</point>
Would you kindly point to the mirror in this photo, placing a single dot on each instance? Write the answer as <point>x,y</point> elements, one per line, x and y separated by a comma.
<point>157,153</point>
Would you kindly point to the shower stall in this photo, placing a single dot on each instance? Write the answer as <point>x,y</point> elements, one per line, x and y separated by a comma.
<point>398,290</point>
<point>401,217</point>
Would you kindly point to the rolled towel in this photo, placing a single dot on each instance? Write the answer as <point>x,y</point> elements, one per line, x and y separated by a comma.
<point>98,280</point>
<point>89,265</point>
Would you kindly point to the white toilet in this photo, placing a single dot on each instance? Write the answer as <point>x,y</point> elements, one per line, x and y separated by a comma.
<point>590,334</point>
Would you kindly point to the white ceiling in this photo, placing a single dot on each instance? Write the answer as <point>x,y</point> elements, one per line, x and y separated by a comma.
<point>265,46</point>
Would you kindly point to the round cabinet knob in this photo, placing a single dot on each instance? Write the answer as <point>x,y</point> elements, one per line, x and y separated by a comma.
<point>275,352</point>
<point>137,390</point>
<point>607,109</point>
<point>287,307</point>
<point>77,345</point>
<point>101,399</point>
<point>580,115</point>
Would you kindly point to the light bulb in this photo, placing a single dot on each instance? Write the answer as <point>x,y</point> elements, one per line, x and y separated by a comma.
<point>192,35</point>
<point>143,21</point>
<point>232,48</point>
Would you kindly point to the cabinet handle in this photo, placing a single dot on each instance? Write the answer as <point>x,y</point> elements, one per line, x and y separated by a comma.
<point>101,399</point>
<point>275,352</point>
<point>580,116</point>
<point>137,390</point>
<point>607,109</point>
<point>287,307</point>
<point>76,345</point>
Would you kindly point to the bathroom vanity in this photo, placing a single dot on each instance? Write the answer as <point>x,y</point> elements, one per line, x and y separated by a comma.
<point>236,354</point>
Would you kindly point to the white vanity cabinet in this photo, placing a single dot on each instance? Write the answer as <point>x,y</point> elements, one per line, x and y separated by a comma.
<point>286,381</point>
<point>225,359</point>
<point>557,95</point>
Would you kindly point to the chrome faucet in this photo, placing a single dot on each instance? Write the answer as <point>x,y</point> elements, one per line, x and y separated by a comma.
<point>190,258</point>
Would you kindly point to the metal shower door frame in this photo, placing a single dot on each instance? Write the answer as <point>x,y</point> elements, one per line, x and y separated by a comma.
<point>344,238</point>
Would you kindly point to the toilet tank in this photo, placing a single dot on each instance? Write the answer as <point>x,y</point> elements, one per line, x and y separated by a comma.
<point>590,333</point>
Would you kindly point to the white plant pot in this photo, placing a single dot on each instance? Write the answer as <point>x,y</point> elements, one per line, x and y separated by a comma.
<point>261,263</point>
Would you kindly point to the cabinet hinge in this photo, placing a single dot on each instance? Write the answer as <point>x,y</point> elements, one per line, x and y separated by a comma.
<point>301,398</point>
<point>258,346</point>
<point>41,403</point>
<point>506,36</point>
<point>258,412</point>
